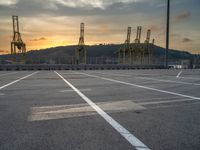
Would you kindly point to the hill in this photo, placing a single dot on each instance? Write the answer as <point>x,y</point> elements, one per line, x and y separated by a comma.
<point>65,54</point>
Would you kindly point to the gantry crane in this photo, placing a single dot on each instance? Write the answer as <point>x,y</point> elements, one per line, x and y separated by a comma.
<point>125,51</point>
<point>136,47</point>
<point>80,51</point>
<point>152,51</point>
<point>147,49</point>
<point>17,40</point>
<point>153,41</point>
<point>138,36</point>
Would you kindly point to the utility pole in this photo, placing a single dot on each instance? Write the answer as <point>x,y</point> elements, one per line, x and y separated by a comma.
<point>167,34</point>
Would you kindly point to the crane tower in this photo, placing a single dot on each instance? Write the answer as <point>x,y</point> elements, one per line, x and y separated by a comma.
<point>125,52</point>
<point>80,52</point>
<point>136,48</point>
<point>17,40</point>
<point>147,50</point>
<point>138,36</point>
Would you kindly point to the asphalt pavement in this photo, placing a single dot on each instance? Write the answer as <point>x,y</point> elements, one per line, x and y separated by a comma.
<point>100,110</point>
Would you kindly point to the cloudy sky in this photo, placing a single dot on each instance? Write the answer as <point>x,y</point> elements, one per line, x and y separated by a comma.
<point>50,23</point>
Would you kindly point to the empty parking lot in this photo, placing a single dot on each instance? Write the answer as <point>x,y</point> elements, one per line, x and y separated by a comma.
<point>100,110</point>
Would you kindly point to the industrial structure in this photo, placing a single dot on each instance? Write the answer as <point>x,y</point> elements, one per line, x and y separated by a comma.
<point>147,51</point>
<point>80,51</point>
<point>137,47</point>
<point>131,53</point>
<point>137,52</point>
<point>17,42</point>
<point>125,52</point>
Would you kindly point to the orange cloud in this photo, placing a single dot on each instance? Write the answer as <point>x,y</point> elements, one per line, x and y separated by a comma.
<point>185,40</point>
<point>3,51</point>
<point>39,39</point>
<point>183,15</point>
<point>155,28</point>
<point>104,29</point>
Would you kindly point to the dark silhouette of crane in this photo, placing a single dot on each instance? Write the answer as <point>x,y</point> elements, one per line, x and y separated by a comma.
<point>125,51</point>
<point>17,42</point>
<point>136,47</point>
<point>80,51</point>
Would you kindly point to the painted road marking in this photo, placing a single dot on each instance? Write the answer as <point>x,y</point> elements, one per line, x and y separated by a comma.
<point>127,75</point>
<point>8,74</point>
<point>172,81</point>
<point>1,94</point>
<point>143,87</point>
<point>83,90</point>
<point>178,75</point>
<point>142,74</point>
<point>17,80</point>
<point>170,106</point>
<point>119,128</point>
<point>120,75</point>
<point>191,78</point>
<point>161,80</point>
<point>70,73</point>
<point>141,100</point>
<point>164,102</point>
<point>78,110</point>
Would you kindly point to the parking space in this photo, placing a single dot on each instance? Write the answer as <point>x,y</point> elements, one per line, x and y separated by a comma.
<point>102,109</point>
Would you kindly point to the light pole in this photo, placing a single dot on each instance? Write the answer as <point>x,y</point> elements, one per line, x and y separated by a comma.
<point>167,34</point>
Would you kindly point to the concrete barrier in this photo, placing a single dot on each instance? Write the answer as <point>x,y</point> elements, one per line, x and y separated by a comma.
<point>77,67</point>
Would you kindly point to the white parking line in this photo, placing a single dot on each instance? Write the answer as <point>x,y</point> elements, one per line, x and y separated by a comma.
<point>114,74</point>
<point>155,99</point>
<point>179,74</point>
<point>164,102</point>
<point>191,78</point>
<point>169,81</point>
<point>17,80</point>
<point>7,74</point>
<point>143,87</point>
<point>1,94</point>
<point>83,90</point>
<point>119,128</point>
<point>161,80</point>
<point>70,73</point>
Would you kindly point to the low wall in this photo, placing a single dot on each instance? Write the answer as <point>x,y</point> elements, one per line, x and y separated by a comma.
<point>78,67</point>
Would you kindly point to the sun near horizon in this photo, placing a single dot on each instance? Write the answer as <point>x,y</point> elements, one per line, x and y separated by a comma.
<point>45,24</point>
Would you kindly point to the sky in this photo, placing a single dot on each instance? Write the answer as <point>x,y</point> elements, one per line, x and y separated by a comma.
<point>51,23</point>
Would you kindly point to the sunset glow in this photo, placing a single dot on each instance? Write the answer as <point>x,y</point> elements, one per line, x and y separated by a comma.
<point>48,23</point>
